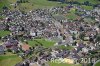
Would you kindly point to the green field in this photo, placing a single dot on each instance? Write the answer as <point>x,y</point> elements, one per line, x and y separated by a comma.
<point>9,59</point>
<point>63,64</point>
<point>32,4</point>
<point>71,14</point>
<point>87,7</point>
<point>46,43</point>
<point>3,3</point>
<point>67,47</point>
<point>4,33</point>
<point>97,64</point>
<point>91,1</point>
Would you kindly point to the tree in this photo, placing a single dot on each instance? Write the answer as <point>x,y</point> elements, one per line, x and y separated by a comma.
<point>99,26</point>
<point>98,38</point>
<point>81,36</point>
<point>5,8</point>
<point>87,3</point>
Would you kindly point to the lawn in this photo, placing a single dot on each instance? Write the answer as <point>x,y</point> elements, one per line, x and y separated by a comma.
<point>3,3</point>
<point>32,42</point>
<point>63,64</point>
<point>46,43</point>
<point>4,33</point>
<point>1,17</point>
<point>71,14</point>
<point>97,64</point>
<point>87,7</point>
<point>91,1</point>
<point>9,60</point>
<point>40,4</point>
<point>32,4</point>
<point>46,4</point>
<point>65,47</point>
<point>89,20</point>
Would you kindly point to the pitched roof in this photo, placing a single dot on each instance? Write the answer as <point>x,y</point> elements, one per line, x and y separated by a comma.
<point>25,47</point>
<point>11,42</point>
<point>1,48</point>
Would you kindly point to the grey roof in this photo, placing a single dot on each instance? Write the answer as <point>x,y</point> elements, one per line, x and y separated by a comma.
<point>59,17</point>
<point>1,48</point>
<point>11,42</point>
<point>15,48</point>
<point>19,64</point>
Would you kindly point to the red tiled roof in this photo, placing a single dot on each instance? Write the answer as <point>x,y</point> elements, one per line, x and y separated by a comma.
<point>25,47</point>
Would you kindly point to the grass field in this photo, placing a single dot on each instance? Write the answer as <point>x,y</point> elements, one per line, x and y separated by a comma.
<point>97,64</point>
<point>67,47</point>
<point>9,59</point>
<point>40,4</point>
<point>71,14</point>
<point>91,1</point>
<point>63,64</point>
<point>4,33</point>
<point>32,4</point>
<point>46,43</point>
<point>3,3</point>
<point>87,7</point>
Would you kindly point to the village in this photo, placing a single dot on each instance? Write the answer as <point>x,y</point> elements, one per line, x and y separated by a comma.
<point>40,35</point>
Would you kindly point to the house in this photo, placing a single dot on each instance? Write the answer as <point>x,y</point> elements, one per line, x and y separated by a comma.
<point>86,38</point>
<point>85,50</point>
<point>39,32</point>
<point>32,33</point>
<point>25,47</point>
<point>10,43</point>
<point>19,64</point>
<point>14,49</point>
<point>2,50</point>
